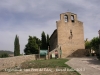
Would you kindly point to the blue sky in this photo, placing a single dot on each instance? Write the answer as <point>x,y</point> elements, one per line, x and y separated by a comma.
<point>31,17</point>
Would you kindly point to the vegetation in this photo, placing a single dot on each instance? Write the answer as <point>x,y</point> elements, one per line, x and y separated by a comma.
<point>87,45</point>
<point>95,42</point>
<point>52,64</point>
<point>32,46</point>
<point>16,46</point>
<point>43,41</point>
<point>38,41</point>
<point>4,55</point>
<point>5,51</point>
<point>42,67</point>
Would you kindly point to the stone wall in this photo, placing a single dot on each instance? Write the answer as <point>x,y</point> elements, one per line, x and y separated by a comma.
<point>53,40</point>
<point>14,61</point>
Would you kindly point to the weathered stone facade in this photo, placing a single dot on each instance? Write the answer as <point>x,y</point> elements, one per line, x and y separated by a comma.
<point>69,35</point>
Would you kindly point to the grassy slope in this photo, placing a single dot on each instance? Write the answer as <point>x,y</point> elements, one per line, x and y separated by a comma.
<point>52,63</point>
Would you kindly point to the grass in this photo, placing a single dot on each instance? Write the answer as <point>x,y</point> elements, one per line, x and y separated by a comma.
<point>52,63</point>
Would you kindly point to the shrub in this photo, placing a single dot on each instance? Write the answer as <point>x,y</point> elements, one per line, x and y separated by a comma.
<point>4,55</point>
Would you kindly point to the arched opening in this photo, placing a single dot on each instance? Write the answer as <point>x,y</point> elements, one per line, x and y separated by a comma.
<point>66,18</point>
<point>72,18</point>
<point>56,54</point>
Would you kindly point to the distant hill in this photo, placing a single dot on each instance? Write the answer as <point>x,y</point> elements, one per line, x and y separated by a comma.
<point>6,51</point>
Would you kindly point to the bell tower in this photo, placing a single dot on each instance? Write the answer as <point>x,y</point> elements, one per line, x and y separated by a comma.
<point>70,33</point>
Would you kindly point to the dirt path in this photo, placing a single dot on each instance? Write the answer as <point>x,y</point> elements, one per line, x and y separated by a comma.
<point>85,66</point>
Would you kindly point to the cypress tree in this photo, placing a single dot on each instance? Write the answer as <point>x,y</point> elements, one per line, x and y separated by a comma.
<point>43,41</point>
<point>16,46</point>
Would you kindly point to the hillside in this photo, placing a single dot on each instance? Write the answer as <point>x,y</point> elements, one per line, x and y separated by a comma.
<point>6,51</point>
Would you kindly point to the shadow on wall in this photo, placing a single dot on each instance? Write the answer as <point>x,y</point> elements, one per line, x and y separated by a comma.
<point>78,53</point>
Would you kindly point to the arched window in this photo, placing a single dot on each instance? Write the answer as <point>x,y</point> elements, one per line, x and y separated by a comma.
<point>72,18</point>
<point>66,18</point>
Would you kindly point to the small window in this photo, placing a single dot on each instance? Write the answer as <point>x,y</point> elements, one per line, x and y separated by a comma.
<point>71,34</point>
<point>66,18</point>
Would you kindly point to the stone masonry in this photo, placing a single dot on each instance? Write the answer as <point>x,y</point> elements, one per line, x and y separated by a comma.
<point>14,61</point>
<point>69,35</point>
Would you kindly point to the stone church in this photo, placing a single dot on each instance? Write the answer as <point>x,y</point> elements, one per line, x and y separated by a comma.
<point>69,36</point>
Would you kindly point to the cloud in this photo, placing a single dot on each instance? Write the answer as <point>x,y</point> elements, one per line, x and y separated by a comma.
<point>31,17</point>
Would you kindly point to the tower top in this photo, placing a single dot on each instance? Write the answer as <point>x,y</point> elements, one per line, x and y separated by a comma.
<point>68,17</point>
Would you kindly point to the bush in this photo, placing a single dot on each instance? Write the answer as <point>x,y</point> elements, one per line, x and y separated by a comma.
<point>4,55</point>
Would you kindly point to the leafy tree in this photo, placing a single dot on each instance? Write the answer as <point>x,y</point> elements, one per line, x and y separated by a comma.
<point>95,44</point>
<point>38,41</point>
<point>87,45</point>
<point>43,41</point>
<point>16,46</point>
<point>31,47</point>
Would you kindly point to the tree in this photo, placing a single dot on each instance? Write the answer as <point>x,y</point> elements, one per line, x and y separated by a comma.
<point>87,45</point>
<point>31,47</point>
<point>4,55</point>
<point>95,44</point>
<point>16,46</point>
<point>43,41</point>
<point>47,41</point>
<point>38,41</point>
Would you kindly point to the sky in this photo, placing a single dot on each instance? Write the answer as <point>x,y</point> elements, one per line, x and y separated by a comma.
<point>31,17</point>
